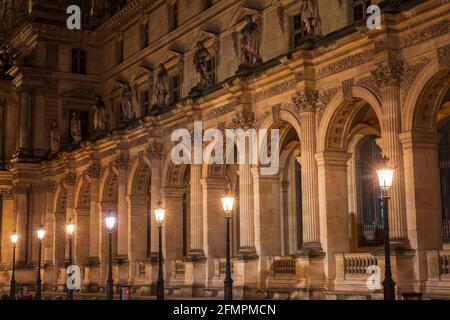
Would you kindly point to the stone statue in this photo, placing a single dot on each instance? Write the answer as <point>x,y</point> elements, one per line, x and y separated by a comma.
<point>99,119</point>
<point>201,58</point>
<point>250,42</point>
<point>75,129</point>
<point>55,138</point>
<point>309,12</point>
<point>127,102</point>
<point>161,92</point>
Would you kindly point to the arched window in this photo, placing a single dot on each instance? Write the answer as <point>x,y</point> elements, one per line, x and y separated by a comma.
<point>370,225</point>
<point>444,165</point>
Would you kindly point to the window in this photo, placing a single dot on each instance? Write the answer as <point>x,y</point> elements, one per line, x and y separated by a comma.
<point>360,9</point>
<point>175,15</point>
<point>78,61</point>
<point>370,224</point>
<point>145,102</point>
<point>298,30</point>
<point>444,165</point>
<point>175,88</point>
<point>144,36</point>
<point>120,51</point>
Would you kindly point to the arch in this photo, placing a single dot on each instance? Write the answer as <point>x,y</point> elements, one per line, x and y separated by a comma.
<point>172,175</point>
<point>339,114</point>
<point>109,186</point>
<point>139,178</point>
<point>425,98</point>
<point>285,115</point>
<point>83,192</point>
<point>60,201</point>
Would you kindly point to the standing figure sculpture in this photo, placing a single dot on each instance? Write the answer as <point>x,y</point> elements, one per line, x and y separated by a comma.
<point>250,43</point>
<point>201,58</point>
<point>75,129</point>
<point>127,102</point>
<point>55,138</point>
<point>309,12</point>
<point>161,92</point>
<point>99,119</point>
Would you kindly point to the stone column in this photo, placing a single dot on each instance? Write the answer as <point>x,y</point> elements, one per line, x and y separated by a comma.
<point>173,226</point>
<point>196,213</point>
<point>24,124</point>
<point>388,80</point>
<point>333,207</point>
<point>95,218</point>
<point>21,204</point>
<point>7,216</point>
<point>284,217</point>
<point>155,152</point>
<point>422,180</point>
<point>49,188</point>
<point>213,224</point>
<point>247,223</point>
<point>81,236</point>
<point>69,184</point>
<point>137,232</point>
<point>306,104</point>
<point>122,207</point>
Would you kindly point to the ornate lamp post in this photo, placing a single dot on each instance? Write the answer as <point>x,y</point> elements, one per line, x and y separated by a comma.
<point>12,287</point>
<point>385,177</point>
<point>227,203</point>
<point>70,229</point>
<point>110,224</point>
<point>159,215</point>
<point>40,235</point>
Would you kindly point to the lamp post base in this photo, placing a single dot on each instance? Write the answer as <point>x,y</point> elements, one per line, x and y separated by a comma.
<point>389,289</point>
<point>12,290</point>
<point>228,289</point>
<point>160,290</point>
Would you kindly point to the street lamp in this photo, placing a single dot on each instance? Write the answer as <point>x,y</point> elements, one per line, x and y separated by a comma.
<point>110,221</point>
<point>40,235</point>
<point>227,203</point>
<point>159,215</point>
<point>12,288</point>
<point>70,229</point>
<point>385,177</point>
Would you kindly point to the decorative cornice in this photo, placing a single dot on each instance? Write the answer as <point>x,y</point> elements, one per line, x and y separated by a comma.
<point>345,63</point>
<point>220,111</point>
<point>276,90</point>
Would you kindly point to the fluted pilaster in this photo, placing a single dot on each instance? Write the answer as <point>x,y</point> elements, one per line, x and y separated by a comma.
<point>247,230</point>
<point>196,214</point>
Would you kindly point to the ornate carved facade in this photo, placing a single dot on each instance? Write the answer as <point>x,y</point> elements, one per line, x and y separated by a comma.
<point>341,95</point>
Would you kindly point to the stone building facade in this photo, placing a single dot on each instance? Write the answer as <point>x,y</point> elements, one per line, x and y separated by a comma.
<point>86,122</point>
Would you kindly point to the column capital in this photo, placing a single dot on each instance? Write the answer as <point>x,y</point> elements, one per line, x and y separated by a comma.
<point>336,158</point>
<point>213,183</point>
<point>306,101</point>
<point>244,120</point>
<point>420,140</point>
<point>155,151</point>
<point>388,74</point>
<point>123,161</point>
<point>94,171</point>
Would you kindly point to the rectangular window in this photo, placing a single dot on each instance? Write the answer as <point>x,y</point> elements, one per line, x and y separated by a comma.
<point>298,30</point>
<point>360,9</point>
<point>175,88</point>
<point>78,61</point>
<point>145,102</point>
<point>144,36</point>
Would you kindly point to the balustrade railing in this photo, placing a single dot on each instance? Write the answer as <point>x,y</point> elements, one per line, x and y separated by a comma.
<point>357,264</point>
<point>283,265</point>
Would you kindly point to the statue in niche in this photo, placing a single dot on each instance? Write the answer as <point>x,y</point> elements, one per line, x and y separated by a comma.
<point>201,58</point>
<point>161,91</point>
<point>75,129</point>
<point>55,138</point>
<point>99,119</point>
<point>127,102</point>
<point>309,12</point>
<point>250,42</point>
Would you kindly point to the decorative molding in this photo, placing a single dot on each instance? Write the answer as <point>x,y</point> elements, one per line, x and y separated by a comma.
<point>276,90</point>
<point>432,31</point>
<point>155,151</point>
<point>347,88</point>
<point>369,83</point>
<point>410,72</point>
<point>94,171</point>
<point>244,120</point>
<point>306,102</point>
<point>123,161</point>
<point>346,63</point>
<point>443,54</point>
<point>324,99</point>
<point>220,111</point>
<point>388,73</point>
<point>70,180</point>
